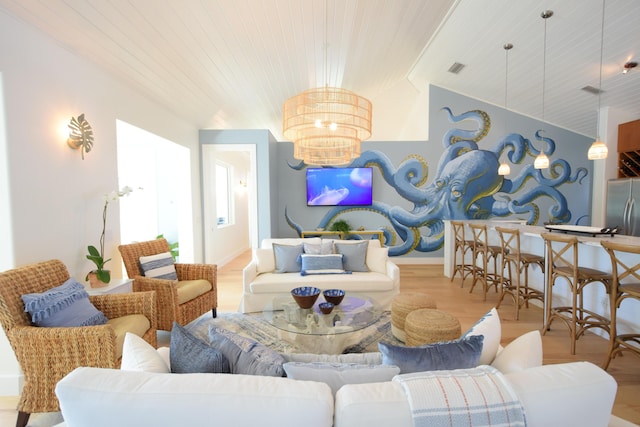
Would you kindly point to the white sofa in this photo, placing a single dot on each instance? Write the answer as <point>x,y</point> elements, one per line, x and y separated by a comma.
<point>578,393</point>
<point>262,285</point>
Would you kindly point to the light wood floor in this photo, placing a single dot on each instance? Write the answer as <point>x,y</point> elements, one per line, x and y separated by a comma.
<point>457,300</point>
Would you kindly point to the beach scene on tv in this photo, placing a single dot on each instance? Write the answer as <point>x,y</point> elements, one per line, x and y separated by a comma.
<point>339,186</point>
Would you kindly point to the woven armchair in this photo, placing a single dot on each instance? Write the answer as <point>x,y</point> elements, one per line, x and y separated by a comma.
<point>169,309</point>
<point>48,354</point>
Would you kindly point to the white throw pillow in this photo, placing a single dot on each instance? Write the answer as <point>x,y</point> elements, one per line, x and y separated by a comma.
<point>265,260</point>
<point>139,355</point>
<point>335,375</point>
<point>522,353</point>
<point>377,259</point>
<point>489,326</point>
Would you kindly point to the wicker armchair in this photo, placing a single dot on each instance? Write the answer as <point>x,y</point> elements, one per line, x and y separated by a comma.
<point>48,354</point>
<point>167,298</point>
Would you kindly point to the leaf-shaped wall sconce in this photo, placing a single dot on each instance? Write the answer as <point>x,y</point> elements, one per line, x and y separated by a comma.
<point>80,135</point>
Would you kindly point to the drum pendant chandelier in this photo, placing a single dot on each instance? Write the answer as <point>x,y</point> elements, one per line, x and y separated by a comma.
<point>326,125</point>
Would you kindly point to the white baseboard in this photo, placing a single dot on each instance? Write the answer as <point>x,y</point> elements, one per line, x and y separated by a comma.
<point>11,385</point>
<point>221,262</point>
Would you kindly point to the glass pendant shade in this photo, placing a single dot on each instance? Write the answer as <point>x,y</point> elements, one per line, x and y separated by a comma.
<point>598,151</point>
<point>504,169</point>
<point>541,162</point>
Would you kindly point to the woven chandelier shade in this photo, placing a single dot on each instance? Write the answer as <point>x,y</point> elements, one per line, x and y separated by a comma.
<point>326,125</point>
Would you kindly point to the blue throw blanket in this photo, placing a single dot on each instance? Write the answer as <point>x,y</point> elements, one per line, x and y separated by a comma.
<point>463,397</point>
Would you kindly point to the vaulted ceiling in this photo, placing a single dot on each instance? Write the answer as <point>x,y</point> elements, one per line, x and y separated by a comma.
<point>231,64</point>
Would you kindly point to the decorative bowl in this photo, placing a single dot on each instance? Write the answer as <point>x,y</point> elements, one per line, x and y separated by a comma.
<point>326,307</point>
<point>334,296</point>
<point>305,296</point>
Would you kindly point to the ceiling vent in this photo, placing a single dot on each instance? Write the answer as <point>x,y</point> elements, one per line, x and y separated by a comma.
<point>456,68</point>
<point>592,90</point>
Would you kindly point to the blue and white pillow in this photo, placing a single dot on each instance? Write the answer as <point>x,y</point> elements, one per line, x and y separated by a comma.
<point>65,305</point>
<point>160,266</point>
<point>321,264</point>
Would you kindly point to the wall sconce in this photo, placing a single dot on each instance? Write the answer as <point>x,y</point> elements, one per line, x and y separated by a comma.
<point>80,135</point>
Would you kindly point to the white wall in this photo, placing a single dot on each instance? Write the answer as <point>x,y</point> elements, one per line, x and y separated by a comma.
<point>54,198</point>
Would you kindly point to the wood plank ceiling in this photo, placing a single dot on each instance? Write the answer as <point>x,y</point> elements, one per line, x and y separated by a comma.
<point>233,63</point>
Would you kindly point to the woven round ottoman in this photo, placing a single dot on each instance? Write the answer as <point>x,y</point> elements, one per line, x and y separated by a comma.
<point>425,326</point>
<point>402,305</point>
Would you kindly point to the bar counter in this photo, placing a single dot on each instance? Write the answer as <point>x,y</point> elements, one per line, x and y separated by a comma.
<point>591,254</point>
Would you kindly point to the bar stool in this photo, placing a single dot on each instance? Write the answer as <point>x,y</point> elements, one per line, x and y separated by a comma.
<point>511,255</point>
<point>621,291</point>
<point>562,261</point>
<point>486,252</point>
<point>461,246</point>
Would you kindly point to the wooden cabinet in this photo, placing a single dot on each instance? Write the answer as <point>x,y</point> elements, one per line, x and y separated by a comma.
<point>629,149</point>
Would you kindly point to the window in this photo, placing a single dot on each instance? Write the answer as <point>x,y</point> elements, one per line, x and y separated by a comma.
<point>223,202</point>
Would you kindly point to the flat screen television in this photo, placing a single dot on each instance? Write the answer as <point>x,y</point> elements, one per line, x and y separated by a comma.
<point>339,186</point>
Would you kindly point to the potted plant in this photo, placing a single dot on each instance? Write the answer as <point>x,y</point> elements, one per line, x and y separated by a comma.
<point>100,276</point>
<point>340,226</point>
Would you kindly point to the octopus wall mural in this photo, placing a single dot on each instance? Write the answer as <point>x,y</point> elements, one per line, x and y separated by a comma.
<point>466,185</point>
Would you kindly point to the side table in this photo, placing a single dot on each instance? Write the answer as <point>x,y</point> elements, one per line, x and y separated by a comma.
<point>116,286</point>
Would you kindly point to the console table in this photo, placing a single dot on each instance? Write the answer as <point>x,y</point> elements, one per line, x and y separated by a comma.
<point>342,234</point>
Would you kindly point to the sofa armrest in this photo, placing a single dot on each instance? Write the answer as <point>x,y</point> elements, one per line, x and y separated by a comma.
<point>249,273</point>
<point>393,271</point>
<point>372,405</point>
<point>577,394</point>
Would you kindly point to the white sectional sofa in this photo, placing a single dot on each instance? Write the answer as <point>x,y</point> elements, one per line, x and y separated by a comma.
<point>262,284</point>
<point>570,394</point>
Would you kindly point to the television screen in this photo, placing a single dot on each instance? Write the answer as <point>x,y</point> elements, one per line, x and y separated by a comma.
<point>339,186</point>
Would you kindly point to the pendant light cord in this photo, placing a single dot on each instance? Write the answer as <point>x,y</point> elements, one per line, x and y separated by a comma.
<point>326,43</point>
<point>600,79</point>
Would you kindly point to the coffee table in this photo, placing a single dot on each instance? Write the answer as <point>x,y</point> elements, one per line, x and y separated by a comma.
<point>316,332</point>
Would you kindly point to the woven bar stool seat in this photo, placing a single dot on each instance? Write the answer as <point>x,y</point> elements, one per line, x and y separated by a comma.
<point>426,326</point>
<point>402,305</point>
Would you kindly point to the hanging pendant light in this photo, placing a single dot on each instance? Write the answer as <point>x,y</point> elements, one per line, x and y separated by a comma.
<point>598,149</point>
<point>326,124</point>
<point>542,161</point>
<point>504,168</point>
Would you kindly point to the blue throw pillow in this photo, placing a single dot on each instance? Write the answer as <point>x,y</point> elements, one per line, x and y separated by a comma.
<point>355,255</point>
<point>287,258</point>
<point>245,355</point>
<point>65,305</point>
<point>189,355</point>
<point>459,354</point>
<point>321,264</point>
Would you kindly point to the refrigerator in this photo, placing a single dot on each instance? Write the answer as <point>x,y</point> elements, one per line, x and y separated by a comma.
<point>623,205</point>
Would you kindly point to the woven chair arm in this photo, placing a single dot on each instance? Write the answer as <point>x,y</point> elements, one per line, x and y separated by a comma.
<point>118,305</point>
<point>57,351</point>
<point>197,271</point>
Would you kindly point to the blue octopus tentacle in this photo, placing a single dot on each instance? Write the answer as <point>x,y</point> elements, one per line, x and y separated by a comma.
<point>515,145</point>
<point>456,135</point>
<point>454,151</point>
<point>297,227</point>
<point>411,173</point>
<point>297,167</point>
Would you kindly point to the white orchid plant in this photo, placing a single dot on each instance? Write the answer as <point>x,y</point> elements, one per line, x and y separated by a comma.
<point>97,257</point>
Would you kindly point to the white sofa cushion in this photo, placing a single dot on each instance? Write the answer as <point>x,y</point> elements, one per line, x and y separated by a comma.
<point>265,260</point>
<point>377,259</point>
<point>100,397</point>
<point>566,394</point>
<point>356,282</point>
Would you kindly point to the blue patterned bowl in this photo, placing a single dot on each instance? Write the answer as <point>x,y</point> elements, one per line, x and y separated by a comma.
<point>326,307</point>
<point>334,296</point>
<point>305,296</point>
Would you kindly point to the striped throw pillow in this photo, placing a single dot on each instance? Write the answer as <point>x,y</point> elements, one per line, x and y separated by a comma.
<point>159,266</point>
